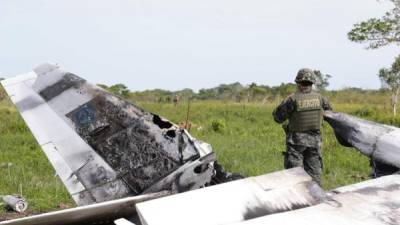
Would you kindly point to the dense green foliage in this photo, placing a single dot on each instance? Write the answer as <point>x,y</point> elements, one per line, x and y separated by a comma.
<point>116,89</point>
<point>378,32</point>
<point>236,92</point>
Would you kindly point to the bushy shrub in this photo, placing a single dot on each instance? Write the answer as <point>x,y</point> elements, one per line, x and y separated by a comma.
<point>218,125</point>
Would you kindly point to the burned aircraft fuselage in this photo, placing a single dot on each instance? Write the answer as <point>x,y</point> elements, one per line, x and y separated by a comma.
<point>130,141</point>
<point>103,146</point>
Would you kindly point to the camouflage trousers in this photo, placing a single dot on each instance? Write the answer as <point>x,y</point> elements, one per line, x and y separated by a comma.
<point>307,157</point>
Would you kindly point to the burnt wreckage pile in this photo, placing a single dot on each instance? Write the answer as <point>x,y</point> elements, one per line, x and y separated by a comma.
<point>130,141</point>
<point>126,151</point>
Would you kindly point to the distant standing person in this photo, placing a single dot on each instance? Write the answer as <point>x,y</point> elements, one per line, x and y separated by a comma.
<point>304,112</point>
<point>176,100</point>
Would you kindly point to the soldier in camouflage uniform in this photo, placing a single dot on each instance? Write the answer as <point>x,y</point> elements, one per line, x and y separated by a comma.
<point>304,112</point>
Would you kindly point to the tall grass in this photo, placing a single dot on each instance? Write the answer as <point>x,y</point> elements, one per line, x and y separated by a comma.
<point>252,143</point>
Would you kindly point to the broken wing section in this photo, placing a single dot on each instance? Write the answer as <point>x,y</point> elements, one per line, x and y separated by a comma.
<point>101,146</point>
<point>235,201</point>
<point>374,202</point>
<point>378,141</point>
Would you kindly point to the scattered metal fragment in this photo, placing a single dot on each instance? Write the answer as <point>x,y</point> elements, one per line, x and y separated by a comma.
<point>15,203</point>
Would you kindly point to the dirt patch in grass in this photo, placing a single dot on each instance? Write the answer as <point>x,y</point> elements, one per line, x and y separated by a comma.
<point>13,215</point>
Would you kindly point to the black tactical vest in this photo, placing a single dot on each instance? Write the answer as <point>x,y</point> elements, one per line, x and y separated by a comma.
<point>308,112</point>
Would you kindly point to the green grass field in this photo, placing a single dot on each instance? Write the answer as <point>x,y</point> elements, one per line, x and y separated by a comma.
<point>246,140</point>
<point>252,143</point>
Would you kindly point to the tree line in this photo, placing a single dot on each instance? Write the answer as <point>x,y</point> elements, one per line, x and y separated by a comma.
<point>227,92</point>
<point>237,92</point>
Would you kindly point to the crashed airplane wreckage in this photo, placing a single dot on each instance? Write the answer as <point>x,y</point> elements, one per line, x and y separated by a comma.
<point>102,147</point>
<point>124,165</point>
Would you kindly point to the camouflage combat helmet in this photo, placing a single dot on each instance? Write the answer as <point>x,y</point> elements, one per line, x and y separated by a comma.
<point>305,75</point>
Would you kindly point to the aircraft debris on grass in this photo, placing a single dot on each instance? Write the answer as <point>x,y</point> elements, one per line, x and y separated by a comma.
<point>123,164</point>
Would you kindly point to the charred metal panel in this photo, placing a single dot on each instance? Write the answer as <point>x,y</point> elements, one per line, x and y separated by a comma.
<point>126,143</point>
<point>190,176</point>
<point>68,81</point>
<point>136,157</point>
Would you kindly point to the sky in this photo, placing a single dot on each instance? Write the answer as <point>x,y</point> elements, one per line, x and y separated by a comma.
<point>176,44</point>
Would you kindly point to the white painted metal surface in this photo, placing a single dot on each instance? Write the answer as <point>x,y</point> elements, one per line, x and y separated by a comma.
<point>376,183</point>
<point>372,203</point>
<point>123,222</point>
<point>96,213</point>
<point>235,201</point>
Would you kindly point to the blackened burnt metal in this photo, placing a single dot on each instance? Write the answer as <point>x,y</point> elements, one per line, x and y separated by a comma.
<point>140,146</point>
<point>68,81</point>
